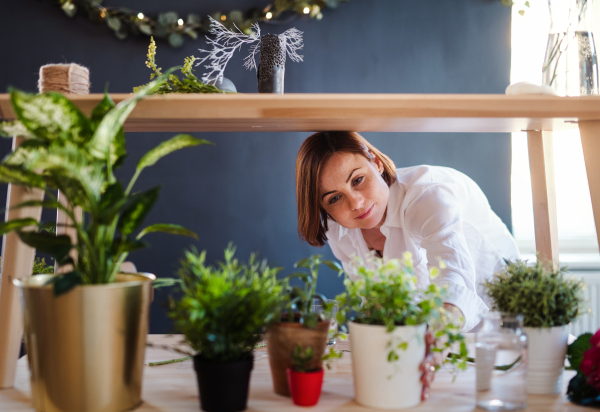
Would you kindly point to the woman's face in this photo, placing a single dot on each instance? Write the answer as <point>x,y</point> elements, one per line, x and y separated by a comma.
<point>352,191</point>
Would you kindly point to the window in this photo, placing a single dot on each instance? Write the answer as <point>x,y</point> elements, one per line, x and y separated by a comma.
<point>578,243</point>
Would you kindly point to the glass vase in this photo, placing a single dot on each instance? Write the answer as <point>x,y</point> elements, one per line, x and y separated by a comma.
<point>570,63</point>
<point>501,363</point>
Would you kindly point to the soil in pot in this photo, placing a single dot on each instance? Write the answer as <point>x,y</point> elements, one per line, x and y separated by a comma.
<point>282,338</point>
<point>305,387</point>
<point>223,386</point>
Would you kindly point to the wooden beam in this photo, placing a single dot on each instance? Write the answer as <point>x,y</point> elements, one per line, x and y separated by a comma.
<point>541,164</point>
<point>17,263</point>
<point>590,142</point>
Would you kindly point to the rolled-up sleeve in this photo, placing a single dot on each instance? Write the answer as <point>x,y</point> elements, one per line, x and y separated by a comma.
<point>435,217</point>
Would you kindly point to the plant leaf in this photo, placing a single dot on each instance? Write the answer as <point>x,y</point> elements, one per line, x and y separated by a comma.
<point>17,224</point>
<point>65,282</point>
<point>20,176</point>
<point>577,348</point>
<point>102,144</point>
<point>333,265</point>
<point>165,282</point>
<point>105,105</point>
<point>50,116</point>
<point>14,128</point>
<point>136,212</point>
<point>175,143</point>
<point>56,246</point>
<point>129,245</point>
<point>167,228</point>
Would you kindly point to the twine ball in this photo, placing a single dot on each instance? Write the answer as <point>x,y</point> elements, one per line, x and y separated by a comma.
<point>64,78</point>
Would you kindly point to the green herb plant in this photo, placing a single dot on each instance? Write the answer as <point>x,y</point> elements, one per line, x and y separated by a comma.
<point>298,300</point>
<point>386,294</point>
<point>545,297</point>
<point>301,359</point>
<point>66,150</point>
<point>225,308</point>
<point>172,83</point>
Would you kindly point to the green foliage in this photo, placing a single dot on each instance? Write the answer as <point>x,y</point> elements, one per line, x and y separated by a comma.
<point>576,349</point>
<point>546,298</point>
<point>65,150</point>
<point>39,266</point>
<point>224,308</point>
<point>301,359</point>
<point>386,294</point>
<point>173,84</point>
<point>298,300</point>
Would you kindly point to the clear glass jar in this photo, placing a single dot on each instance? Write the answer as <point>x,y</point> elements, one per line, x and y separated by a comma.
<point>570,64</point>
<point>501,363</point>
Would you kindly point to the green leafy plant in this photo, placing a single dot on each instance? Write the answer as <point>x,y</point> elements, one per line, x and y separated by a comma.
<point>225,308</point>
<point>65,150</point>
<point>39,266</point>
<point>386,294</point>
<point>298,300</point>
<point>171,83</point>
<point>544,297</point>
<point>301,359</point>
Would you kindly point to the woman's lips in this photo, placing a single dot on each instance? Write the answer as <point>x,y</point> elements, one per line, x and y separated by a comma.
<point>366,214</point>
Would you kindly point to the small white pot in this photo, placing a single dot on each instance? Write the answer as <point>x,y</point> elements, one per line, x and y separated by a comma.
<point>382,384</point>
<point>547,348</point>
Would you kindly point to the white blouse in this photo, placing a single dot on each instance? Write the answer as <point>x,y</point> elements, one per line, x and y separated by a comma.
<point>438,213</point>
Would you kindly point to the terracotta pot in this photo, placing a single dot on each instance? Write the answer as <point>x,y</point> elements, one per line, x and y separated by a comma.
<point>282,338</point>
<point>305,387</point>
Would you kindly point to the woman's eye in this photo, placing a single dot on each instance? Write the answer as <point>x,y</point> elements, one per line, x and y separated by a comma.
<point>334,199</point>
<point>358,180</point>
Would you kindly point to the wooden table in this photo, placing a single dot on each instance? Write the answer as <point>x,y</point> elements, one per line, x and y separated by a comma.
<point>173,388</point>
<point>536,114</point>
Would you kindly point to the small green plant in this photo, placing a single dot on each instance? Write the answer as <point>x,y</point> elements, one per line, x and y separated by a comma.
<point>78,155</point>
<point>386,294</point>
<point>544,297</point>
<point>172,83</point>
<point>298,300</point>
<point>39,266</point>
<point>225,308</point>
<point>301,359</point>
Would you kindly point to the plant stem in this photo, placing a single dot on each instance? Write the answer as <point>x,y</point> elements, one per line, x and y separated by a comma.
<point>169,361</point>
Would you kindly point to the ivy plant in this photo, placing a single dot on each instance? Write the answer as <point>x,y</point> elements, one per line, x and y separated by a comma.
<point>66,150</point>
<point>225,308</point>
<point>544,296</point>
<point>386,294</point>
<point>298,300</point>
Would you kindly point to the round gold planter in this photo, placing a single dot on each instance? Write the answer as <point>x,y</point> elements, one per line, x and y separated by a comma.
<point>86,347</point>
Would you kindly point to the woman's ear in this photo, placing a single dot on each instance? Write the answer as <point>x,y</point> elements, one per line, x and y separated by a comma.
<point>378,163</point>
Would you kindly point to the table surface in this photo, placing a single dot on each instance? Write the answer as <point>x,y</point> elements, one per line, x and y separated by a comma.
<point>355,112</point>
<point>172,388</point>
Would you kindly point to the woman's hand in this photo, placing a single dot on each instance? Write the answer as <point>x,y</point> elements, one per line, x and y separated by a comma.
<point>428,366</point>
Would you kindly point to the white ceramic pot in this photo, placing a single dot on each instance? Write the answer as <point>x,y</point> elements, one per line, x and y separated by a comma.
<point>382,384</point>
<point>547,348</point>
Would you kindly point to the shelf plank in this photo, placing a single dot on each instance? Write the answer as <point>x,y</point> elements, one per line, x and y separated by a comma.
<point>356,112</point>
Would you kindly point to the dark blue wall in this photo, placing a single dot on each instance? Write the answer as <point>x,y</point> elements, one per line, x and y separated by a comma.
<point>242,189</point>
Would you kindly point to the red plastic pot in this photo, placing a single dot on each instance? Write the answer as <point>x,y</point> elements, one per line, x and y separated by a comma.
<point>305,387</point>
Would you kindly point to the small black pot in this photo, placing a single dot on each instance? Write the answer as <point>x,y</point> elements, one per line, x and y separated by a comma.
<point>223,386</point>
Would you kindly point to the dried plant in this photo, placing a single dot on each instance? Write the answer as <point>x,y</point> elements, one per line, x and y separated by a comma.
<point>227,42</point>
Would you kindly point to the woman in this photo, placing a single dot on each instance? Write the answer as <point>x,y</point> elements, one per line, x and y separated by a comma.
<point>352,196</point>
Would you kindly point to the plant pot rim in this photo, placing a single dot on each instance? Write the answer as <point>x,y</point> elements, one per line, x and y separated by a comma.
<point>547,327</point>
<point>383,326</point>
<point>318,371</point>
<point>297,324</point>
<point>123,280</point>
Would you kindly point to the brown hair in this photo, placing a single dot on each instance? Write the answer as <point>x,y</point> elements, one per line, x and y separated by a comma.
<point>313,154</point>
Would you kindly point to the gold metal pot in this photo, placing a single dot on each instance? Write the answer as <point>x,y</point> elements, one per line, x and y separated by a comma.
<point>86,347</point>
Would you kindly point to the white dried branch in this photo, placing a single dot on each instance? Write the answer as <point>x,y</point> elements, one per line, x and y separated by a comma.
<point>250,60</point>
<point>293,41</point>
<point>225,43</point>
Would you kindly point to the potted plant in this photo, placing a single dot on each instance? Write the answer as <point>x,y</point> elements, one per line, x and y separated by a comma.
<point>222,314</point>
<point>299,324</point>
<point>549,302</point>
<point>305,383</point>
<point>387,332</point>
<point>85,329</point>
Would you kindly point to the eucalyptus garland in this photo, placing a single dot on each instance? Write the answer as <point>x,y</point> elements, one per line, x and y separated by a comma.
<point>173,27</point>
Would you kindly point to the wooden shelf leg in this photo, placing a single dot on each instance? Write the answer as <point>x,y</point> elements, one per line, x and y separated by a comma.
<point>590,142</point>
<point>541,164</point>
<point>17,262</point>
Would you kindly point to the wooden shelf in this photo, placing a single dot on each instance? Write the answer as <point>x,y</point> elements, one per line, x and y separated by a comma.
<point>356,112</point>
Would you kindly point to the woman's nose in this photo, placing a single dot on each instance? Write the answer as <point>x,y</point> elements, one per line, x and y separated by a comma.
<point>356,201</point>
